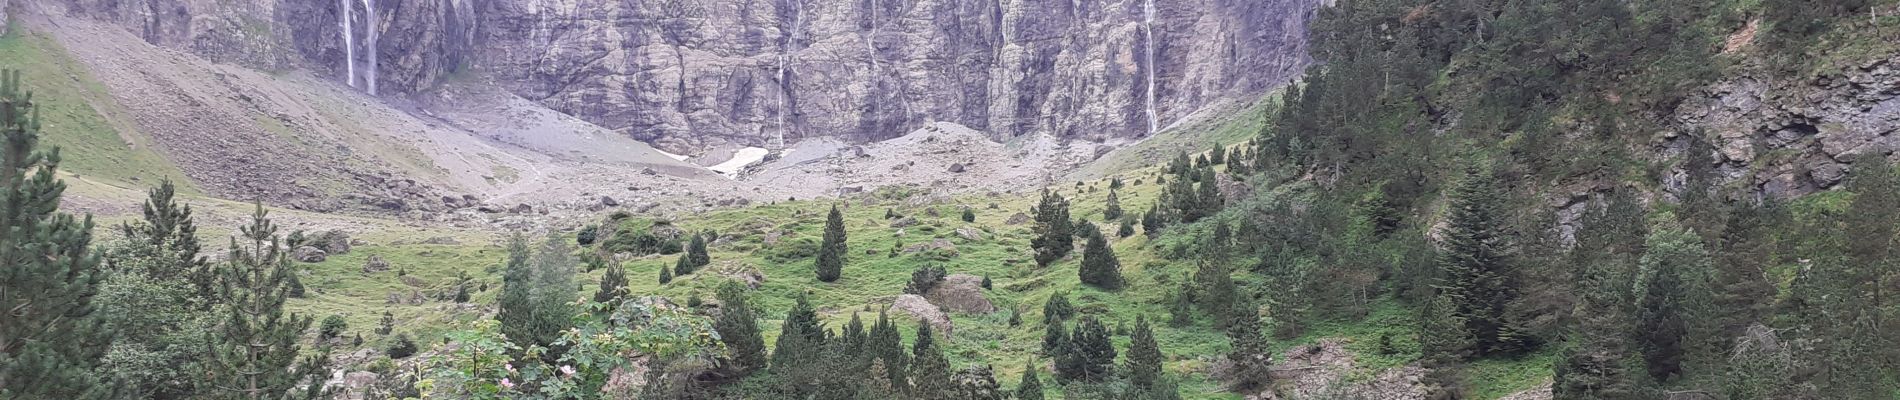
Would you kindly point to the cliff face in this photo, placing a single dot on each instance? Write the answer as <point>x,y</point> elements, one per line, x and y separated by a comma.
<point>692,73</point>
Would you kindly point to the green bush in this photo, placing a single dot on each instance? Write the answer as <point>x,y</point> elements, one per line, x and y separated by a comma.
<point>402,348</point>
<point>332,327</point>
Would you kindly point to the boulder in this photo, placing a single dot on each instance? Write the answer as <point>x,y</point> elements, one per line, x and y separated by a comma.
<point>934,245</point>
<point>523,208</point>
<point>334,242</point>
<point>375,264</point>
<point>1017,219</point>
<point>609,201</point>
<point>970,233</point>
<point>961,293</point>
<point>957,168</point>
<point>903,222</point>
<point>309,254</point>
<point>925,312</point>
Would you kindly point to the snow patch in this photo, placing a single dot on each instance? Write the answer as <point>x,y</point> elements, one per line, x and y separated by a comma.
<point>674,156</point>
<point>740,159</point>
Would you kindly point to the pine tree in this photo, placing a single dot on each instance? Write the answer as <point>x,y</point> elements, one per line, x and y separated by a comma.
<point>683,266</point>
<point>1217,292</point>
<point>886,346</point>
<point>799,339</point>
<point>877,384</point>
<point>254,352</point>
<point>1055,232</point>
<point>1443,343</point>
<point>1218,156</point>
<point>1031,386</point>
<point>613,284</point>
<point>1144,356</point>
<point>1055,339</point>
<point>1671,303</point>
<point>1180,309</point>
<point>554,290</point>
<point>929,369</point>
<point>1479,276</point>
<point>1208,198</point>
<point>1251,355</point>
<point>1126,229</point>
<point>50,340</point>
<point>1113,210</point>
<point>969,215</point>
<point>666,275</point>
<point>168,228</point>
<point>515,304</point>
<point>387,324</point>
<point>738,327</point>
<point>1057,308</point>
<point>1099,266</point>
<point>831,254</point>
<point>1090,356</point>
<point>696,252</point>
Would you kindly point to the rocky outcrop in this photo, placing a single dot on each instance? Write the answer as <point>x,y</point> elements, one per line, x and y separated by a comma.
<point>961,293</point>
<point>925,312</point>
<point>1784,139</point>
<point>690,74</point>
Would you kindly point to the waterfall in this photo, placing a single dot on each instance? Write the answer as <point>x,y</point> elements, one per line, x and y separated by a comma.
<point>369,18</point>
<point>784,72</point>
<point>1148,26</point>
<point>349,45</point>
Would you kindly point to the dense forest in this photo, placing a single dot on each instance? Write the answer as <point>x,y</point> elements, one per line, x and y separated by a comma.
<point>1411,169</point>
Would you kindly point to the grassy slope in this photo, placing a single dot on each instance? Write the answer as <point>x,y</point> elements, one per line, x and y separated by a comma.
<point>871,280</point>
<point>97,139</point>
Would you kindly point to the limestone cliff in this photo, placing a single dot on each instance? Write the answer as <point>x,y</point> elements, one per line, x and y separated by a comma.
<point>687,74</point>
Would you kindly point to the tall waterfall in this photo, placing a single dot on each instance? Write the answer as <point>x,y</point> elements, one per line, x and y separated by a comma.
<point>784,72</point>
<point>1148,26</point>
<point>369,18</point>
<point>349,45</point>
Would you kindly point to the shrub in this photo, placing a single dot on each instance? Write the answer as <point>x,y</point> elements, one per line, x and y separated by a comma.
<point>924,279</point>
<point>587,235</point>
<point>333,327</point>
<point>402,348</point>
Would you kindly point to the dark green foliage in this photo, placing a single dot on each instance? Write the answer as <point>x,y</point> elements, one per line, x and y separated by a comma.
<point>738,327</point>
<point>537,286</point>
<point>1180,309</point>
<point>696,252</point>
<point>986,282</point>
<point>387,324</point>
<point>666,275</point>
<point>923,279</point>
<point>978,382</point>
<point>50,340</point>
<point>1144,359</point>
<point>1055,232</point>
<point>1151,222</point>
<point>252,290</point>
<point>1480,278</point>
<point>402,348</point>
<point>969,215</point>
<point>800,338</point>
<point>1216,294</point>
<point>1113,211</point>
<point>1055,339</point>
<point>683,266</point>
<point>1031,387</point>
<point>295,284</point>
<point>929,370</point>
<point>1090,355</point>
<point>613,285</point>
<point>169,229</point>
<point>1670,304</point>
<point>831,253</point>
<point>1251,355</point>
<point>1218,156</point>
<point>1057,308</point>
<point>1099,266</point>
<point>885,346</point>
<point>332,327</point>
<point>586,235</point>
<point>1126,229</point>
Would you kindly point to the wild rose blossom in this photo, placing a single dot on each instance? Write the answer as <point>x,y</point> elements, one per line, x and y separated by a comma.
<point>567,370</point>
<point>507,384</point>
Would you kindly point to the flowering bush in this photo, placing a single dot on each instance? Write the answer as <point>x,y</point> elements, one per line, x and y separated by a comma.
<point>479,363</point>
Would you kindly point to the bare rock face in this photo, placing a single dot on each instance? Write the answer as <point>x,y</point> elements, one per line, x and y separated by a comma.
<point>690,74</point>
<point>961,293</point>
<point>1790,138</point>
<point>309,254</point>
<point>925,312</point>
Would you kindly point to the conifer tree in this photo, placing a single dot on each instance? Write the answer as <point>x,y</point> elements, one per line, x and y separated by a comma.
<point>1443,343</point>
<point>1217,292</point>
<point>50,340</point>
<point>800,338</point>
<point>1055,232</point>
<point>1144,356</point>
<point>1099,266</point>
<point>738,327</point>
<point>613,285</point>
<point>1218,156</point>
<point>168,228</point>
<point>877,384</point>
<point>1872,229</point>
<point>515,304</point>
<point>253,353</point>
<point>666,275</point>
<point>1180,309</point>
<point>831,253</point>
<point>1251,354</point>
<point>1208,199</point>
<point>387,324</point>
<point>683,266</point>
<point>1031,386</point>
<point>554,290</point>
<point>969,215</point>
<point>1057,308</point>
<point>886,346</point>
<point>1090,356</point>
<point>696,252</point>
<point>1113,210</point>
<point>1672,301</point>
<point>1151,221</point>
<point>1055,339</point>
<point>929,369</point>
<point>1478,271</point>
<point>1126,229</point>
